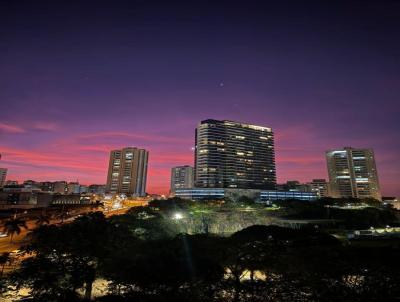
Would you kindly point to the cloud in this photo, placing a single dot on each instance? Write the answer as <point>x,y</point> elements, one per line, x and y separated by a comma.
<point>45,126</point>
<point>12,129</point>
<point>32,126</point>
<point>84,156</point>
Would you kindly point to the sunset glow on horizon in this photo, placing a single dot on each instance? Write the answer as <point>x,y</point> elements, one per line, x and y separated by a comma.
<point>85,157</point>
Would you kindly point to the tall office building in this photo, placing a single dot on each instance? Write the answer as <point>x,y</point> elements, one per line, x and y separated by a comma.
<point>182,177</point>
<point>352,173</point>
<point>234,155</point>
<point>127,171</point>
<point>3,176</point>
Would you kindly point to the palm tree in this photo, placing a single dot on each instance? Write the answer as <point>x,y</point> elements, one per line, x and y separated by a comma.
<point>63,214</point>
<point>42,219</point>
<point>96,206</point>
<point>13,226</point>
<point>4,259</point>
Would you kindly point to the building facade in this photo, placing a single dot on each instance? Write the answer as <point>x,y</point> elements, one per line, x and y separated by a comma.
<point>3,176</point>
<point>11,182</point>
<point>293,185</point>
<point>259,196</point>
<point>352,173</point>
<point>97,189</point>
<point>73,188</point>
<point>60,187</point>
<point>272,195</point>
<point>319,186</point>
<point>182,177</point>
<point>127,172</point>
<point>234,155</point>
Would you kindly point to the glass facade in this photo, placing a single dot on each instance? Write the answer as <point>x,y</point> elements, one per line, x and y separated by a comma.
<point>234,155</point>
<point>198,193</point>
<point>266,196</point>
<point>262,196</point>
<point>352,173</point>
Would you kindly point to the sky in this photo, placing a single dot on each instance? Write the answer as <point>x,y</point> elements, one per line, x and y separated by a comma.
<point>80,78</point>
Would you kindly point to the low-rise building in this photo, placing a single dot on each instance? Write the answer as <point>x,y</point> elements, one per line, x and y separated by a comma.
<point>319,186</point>
<point>391,200</point>
<point>97,189</point>
<point>11,183</point>
<point>269,196</point>
<point>236,195</point>
<point>73,188</point>
<point>293,185</point>
<point>182,177</point>
<point>60,187</point>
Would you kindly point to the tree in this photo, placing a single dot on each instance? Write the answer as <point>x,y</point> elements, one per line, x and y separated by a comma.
<point>14,226</point>
<point>148,224</point>
<point>42,219</point>
<point>246,200</point>
<point>63,214</point>
<point>4,259</point>
<point>49,278</point>
<point>177,269</point>
<point>67,257</point>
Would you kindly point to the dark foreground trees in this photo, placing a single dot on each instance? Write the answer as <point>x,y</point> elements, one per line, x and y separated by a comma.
<point>260,263</point>
<point>66,258</point>
<point>14,226</point>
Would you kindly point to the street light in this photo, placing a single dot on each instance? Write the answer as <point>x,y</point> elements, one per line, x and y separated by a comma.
<point>177,216</point>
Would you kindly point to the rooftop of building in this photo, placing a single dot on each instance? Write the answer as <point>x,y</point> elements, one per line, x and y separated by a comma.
<point>234,123</point>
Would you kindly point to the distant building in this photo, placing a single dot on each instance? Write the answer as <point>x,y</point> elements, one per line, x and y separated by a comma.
<point>260,196</point>
<point>46,186</point>
<point>60,187</point>
<point>394,201</point>
<point>83,189</point>
<point>320,187</point>
<point>17,188</point>
<point>3,176</point>
<point>293,185</point>
<point>200,193</point>
<point>11,183</point>
<point>234,155</point>
<point>352,173</point>
<point>22,198</point>
<point>73,188</point>
<point>97,189</point>
<point>127,171</point>
<point>18,198</point>
<point>182,177</point>
<point>31,184</point>
<point>67,199</point>
<point>272,195</point>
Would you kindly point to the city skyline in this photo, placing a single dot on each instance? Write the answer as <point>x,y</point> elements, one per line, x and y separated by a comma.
<point>91,83</point>
<point>302,180</point>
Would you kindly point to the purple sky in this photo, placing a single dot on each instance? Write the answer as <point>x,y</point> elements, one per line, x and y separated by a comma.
<point>77,80</point>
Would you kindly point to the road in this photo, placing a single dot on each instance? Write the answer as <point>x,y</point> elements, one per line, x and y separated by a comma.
<point>18,240</point>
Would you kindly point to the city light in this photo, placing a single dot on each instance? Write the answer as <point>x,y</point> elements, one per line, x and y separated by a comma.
<point>178,216</point>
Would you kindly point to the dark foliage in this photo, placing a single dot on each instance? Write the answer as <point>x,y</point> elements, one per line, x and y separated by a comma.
<point>259,263</point>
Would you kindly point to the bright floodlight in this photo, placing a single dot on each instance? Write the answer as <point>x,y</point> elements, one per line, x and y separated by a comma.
<point>178,216</point>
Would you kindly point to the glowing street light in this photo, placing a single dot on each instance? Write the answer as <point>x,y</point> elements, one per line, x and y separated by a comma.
<point>177,216</point>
